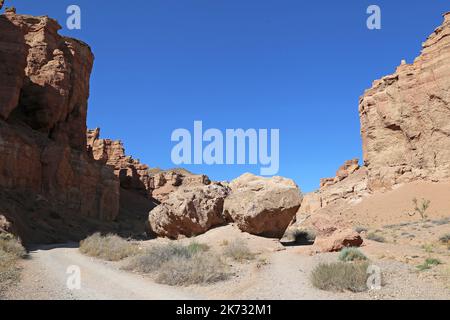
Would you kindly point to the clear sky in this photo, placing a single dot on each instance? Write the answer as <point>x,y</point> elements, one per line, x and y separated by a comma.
<point>294,65</point>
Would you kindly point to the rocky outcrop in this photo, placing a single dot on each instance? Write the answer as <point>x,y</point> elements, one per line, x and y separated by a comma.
<point>189,211</point>
<point>262,206</point>
<point>132,174</point>
<point>332,233</point>
<point>46,174</point>
<point>405,118</point>
<point>405,128</point>
<point>350,184</point>
<point>163,183</point>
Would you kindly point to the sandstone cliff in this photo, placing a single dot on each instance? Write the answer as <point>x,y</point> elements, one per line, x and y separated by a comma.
<point>405,128</point>
<point>405,118</point>
<point>49,183</point>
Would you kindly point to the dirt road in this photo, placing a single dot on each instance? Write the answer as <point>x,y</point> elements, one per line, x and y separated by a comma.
<point>45,277</point>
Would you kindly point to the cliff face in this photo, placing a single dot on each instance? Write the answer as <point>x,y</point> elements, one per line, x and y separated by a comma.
<point>405,118</point>
<point>47,177</point>
<point>405,128</point>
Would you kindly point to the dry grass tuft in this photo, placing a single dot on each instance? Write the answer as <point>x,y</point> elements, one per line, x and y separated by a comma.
<point>110,247</point>
<point>10,252</point>
<point>198,269</point>
<point>238,251</point>
<point>340,276</point>
<point>351,254</point>
<point>178,265</point>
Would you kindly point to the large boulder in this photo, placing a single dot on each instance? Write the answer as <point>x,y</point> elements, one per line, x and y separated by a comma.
<point>189,211</point>
<point>337,241</point>
<point>262,206</point>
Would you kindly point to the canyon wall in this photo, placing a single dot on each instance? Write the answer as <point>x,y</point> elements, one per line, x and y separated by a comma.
<point>405,129</point>
<point>405,118</point>
<point>48,180</point>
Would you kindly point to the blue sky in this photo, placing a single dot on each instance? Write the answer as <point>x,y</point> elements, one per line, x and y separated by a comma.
<point>298,66</point>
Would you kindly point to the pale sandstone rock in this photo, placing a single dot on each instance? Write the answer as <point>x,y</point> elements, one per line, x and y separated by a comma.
<point>189,211</point>
<point>405,118</point>
<point>337,241</point>
<point>262,206</point>
<point>163,183</point>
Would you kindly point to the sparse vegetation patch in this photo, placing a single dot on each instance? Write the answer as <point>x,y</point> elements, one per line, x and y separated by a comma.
<point>175,264</point>
<point>341,276</point>
<point>10,252</point>
<point>109,247</point>
<point>375,237</point>
<point>351,254</point>
<point>238,251</point>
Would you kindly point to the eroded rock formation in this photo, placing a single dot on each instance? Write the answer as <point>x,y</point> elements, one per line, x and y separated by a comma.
<point>405,118</point>
<point>405,128</point>
<point>46,175</point>
<point>132,174</point>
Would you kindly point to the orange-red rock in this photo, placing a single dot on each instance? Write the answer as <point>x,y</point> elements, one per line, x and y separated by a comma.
<point>47,177</point>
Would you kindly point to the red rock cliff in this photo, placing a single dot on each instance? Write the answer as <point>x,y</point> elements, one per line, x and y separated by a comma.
<point>46,174</point>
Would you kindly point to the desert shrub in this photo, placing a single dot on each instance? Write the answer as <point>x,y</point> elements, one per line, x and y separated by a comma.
<point>442,221</point>
<point>420,208</point>
<point>12,246</point>
<point>200,268</point>
<point>375,237</point>
<point>351,254</point>
<point>445,239</point>
<point>153,258</point>
<point>195,247</point>
<point>109,247</point>
<point>429,262</point>
<point>360,229</point>
<point>175,264</point>
<point>10,252</point>
<point>302,237</point>
<point>341,276</point>
<point>238,250</point>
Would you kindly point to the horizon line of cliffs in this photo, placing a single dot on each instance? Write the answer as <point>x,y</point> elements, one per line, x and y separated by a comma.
<point>60,181</point>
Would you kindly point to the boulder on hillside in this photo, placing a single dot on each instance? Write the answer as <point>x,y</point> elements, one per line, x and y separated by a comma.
<point>262,206</point>
<point>332,232</point>
<point>189,211</point>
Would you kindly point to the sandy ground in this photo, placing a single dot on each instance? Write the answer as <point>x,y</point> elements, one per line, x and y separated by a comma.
<point>276,273</point>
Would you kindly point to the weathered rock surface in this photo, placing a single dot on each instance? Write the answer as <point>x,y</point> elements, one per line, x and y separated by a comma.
<point>405,118</point>
<point>332,232</point>
<point>337,241</point>
<point>349,185</point>
<point>189,211</point>
<point>46,172</point>
<point>262,206</point>
<point>163,183</point>
<point>132,174</point>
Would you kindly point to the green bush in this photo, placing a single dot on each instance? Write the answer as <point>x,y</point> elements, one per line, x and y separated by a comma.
<point>351,254</point>
<point>238,251</point>
<point>341,276</point>
<point>110,247</point>
<point>429,262</point>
